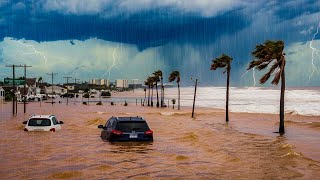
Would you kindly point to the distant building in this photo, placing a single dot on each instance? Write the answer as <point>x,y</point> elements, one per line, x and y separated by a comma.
<point>135,83</point>
<point>95,81</point>
<point>56,90</point>
<point>122,83</point>
<point>105,82</point>
<point>2,93</point>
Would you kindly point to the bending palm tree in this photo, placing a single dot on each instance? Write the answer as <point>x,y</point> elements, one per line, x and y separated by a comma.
<point>148,84</point>
<point>175,75</point>
<point>152,80</point>
<point>272,51</point>
<point>158,75</point>
<point>224,61</point>
<point>145,95</point>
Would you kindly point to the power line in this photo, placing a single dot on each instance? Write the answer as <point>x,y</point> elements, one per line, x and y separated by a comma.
<point>67,88</point>
<point>14,101</point>
<point>74,90</point>
<point>52,75</point>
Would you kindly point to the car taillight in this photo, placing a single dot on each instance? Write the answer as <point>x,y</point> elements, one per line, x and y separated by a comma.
<point>53,129</point>
<point>116,132</point>
<point>149,133</point>
<point>25,129</point>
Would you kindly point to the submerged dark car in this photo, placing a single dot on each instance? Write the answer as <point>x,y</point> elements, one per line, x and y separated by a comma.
<point>126,129</point>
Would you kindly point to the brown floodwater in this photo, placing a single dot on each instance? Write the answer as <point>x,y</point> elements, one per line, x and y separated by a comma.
<point>183,148</point>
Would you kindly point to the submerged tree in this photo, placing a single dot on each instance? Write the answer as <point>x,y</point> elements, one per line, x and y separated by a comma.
<point>175,75</point>
<point>224,61</point>
<point>272,52</point>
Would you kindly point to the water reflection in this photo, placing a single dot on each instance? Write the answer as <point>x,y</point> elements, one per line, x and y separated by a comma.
<point>133,147</point>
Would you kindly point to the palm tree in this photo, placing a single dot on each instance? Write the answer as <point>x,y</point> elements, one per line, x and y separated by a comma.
<point>145,95</point>
<point>175,75</point>
<point>173,102</point>
<point>224,61</point>
<point>40,79</point>
<point>157,79</point>
<point>272,51</point>
<point>152,81</point>
<point>148,84</point>
<point>160,74</point>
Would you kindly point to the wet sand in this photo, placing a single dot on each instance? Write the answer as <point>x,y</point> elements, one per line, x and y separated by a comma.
<point>204,147</point>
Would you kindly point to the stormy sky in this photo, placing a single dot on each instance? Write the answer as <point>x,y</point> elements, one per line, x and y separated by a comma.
<point>133,38</point>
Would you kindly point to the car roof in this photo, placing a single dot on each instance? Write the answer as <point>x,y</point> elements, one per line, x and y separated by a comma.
<point>41,116</point>
<point>136,118</point>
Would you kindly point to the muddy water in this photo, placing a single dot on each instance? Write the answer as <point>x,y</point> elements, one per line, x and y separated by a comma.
<point>183,148</point>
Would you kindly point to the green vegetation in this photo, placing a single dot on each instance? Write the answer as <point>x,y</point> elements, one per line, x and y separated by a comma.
<point>99,103</point>
<point>107,93</point>
<point>173,102</point>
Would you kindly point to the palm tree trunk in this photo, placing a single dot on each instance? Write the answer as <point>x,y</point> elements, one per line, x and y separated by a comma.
<point>162,97</point>
<point>178,96</point>
<point>227,94</point>
<point>145,96</point>
<point>157,94</point>
<point>152,97</point>
<point>281,126</point>
<point>149,96</point>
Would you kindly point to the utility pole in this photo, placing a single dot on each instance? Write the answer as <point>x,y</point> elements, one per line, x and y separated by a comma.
<point>14,101</point>
<point>52,75</point>
<point>194,97</point>
<point>74,90</point>
<point>24,88</point>
<point>67,88</point>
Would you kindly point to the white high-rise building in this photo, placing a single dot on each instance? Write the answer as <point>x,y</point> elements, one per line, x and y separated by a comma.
<point>95,81</point>
<point>105,82</point>
<point>122,83</point>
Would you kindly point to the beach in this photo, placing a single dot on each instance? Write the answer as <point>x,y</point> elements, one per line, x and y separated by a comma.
<point>203,147</point>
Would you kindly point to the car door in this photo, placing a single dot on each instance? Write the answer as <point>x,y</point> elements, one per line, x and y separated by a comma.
<point>106,130</point>
<point>55,123</point>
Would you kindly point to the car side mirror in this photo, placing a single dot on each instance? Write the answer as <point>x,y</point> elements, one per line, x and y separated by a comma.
<point>60,122</point>
<point>24,122</point>
<point>100,126</point>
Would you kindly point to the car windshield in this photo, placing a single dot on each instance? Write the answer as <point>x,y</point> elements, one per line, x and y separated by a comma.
<point>39,122</point>
<point>128,126</point>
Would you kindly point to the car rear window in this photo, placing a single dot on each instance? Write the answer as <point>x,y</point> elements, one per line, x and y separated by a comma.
<point>128,126</point>
<point>39,122</point>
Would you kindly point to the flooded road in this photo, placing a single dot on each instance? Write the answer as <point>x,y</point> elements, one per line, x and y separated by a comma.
<point>183,148</point>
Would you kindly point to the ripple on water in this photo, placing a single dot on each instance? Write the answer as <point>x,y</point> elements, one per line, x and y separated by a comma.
<point>66,175</point>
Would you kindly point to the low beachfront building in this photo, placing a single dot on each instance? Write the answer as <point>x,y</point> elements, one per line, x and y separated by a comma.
<point>122,83</point>
<point>56,90</point>
<point>2,93</point>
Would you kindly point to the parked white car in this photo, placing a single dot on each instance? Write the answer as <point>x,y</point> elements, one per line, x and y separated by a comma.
<point>42,123</point>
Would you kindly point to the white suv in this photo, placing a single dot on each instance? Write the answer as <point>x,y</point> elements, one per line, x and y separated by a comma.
<point>42,123</point>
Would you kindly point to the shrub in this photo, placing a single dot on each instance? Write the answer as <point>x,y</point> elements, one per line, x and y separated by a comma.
<point>106,93</point>
<point>99,103</point>
<point>84,103</point>
<point>86,95</point>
